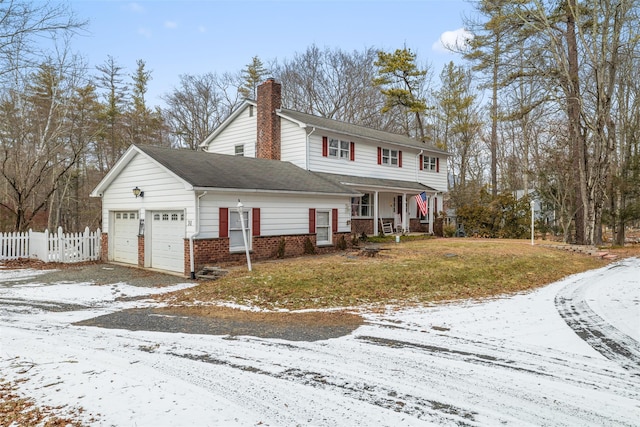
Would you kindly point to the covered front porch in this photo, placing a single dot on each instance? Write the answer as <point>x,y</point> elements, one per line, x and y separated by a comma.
<point>385,201</point>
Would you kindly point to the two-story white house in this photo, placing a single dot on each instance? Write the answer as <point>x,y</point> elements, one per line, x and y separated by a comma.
<point>388,169</point>
<point>293,182</point>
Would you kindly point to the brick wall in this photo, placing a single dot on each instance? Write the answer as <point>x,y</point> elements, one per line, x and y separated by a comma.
<point>104,247</point>
<point>216,251</point>
<point>268,123</point>
<point>415,226</point>
<point>140,251</point>
<point>359,226</point>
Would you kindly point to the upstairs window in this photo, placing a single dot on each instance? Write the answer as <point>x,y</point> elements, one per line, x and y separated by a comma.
<point>389,157</point>
<point>431,164</point>
<point>339,149</point>
<point>239,150</point>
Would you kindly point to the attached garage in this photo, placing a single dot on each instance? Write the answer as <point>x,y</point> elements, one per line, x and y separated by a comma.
<point>167,240</point>
<point>125,237</point>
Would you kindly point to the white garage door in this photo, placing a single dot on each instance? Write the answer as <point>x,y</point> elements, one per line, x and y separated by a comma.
<point>125,237</point>
<point>167,240</point>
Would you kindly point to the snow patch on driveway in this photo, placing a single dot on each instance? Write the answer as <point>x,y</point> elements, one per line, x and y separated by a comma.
<point>511,361</point>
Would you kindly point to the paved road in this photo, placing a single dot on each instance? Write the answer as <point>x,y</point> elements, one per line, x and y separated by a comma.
<point>563,355</point>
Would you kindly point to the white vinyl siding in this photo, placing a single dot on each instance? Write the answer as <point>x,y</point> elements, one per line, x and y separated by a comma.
<point>366,164</point>
<point>241,131</point>
<point>162,190</point>
<point>280,214</point>
<point>293,143</point>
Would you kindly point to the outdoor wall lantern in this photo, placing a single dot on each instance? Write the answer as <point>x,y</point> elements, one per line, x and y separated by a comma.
<point>137,192</point>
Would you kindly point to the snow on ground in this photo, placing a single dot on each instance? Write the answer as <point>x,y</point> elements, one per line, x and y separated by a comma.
<point>566,354</point>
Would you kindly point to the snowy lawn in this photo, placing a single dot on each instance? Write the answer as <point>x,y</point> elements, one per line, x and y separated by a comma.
<point>565,354</point>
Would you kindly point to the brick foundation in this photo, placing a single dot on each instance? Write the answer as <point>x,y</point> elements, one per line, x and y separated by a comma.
<point>416,226</point>
<point>216,251</point>
<point>359,226</point>
<point>104,247</point>
<point>140,251</point>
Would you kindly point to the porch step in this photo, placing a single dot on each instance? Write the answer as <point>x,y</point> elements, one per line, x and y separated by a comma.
<point>211,273</point>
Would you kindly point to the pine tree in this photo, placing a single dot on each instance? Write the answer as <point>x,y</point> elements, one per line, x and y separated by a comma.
<point>401,82</point>
<point>252,75</point>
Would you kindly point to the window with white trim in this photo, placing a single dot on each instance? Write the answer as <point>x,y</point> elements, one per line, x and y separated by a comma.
<point>362,206</point>
<point>236,243</point>
<point>239,150</point>
<point>430,163</point>
<point>323,227</point>
<point>389,157</point>
<point>339,149</point>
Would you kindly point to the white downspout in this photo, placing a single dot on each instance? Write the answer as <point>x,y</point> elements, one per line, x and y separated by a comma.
<point>308,150</point>
<point>195,234</point>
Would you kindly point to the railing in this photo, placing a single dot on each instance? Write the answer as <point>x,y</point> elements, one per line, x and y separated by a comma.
<point>51,247</point>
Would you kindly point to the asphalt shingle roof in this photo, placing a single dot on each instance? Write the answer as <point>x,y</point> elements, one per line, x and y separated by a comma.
<point>209,170</point>
<point>375,182</point>
<point>355,130</point>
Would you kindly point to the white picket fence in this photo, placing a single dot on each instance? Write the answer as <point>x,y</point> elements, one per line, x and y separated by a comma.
<point>51,247</point>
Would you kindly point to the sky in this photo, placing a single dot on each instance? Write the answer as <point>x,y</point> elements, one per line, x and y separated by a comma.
<point>196,37</point>
<point>509,361</point>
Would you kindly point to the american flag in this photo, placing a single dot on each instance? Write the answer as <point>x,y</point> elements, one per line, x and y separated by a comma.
<point>421,199</point>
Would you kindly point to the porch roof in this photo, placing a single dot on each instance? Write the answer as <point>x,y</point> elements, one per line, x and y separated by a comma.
<point>378,183</point>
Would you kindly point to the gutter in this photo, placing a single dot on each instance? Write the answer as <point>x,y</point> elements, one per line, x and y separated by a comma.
<point>195,234</point>
<point>308,149</point>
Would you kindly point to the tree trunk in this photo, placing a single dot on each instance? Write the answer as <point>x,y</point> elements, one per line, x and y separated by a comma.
<point>575,135</point>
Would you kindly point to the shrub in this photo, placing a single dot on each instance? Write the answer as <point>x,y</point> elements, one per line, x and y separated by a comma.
<point>342,243</point>
<point>309,248</point>
<point>449,230</point>
<point>281,248</point>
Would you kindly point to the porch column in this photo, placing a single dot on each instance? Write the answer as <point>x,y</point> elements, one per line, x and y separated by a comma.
<point>405,214</point>
<point>375,213</point>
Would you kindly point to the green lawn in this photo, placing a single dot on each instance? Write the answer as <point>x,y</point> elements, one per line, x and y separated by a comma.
<point>415,271</point>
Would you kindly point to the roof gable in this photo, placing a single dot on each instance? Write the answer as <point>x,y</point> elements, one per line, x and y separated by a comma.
<point>228,121</point>
<point>203,170</point>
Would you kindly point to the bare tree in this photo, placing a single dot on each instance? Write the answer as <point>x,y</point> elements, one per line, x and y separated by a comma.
<point>199,105</point>
<point>21,21</point>
<point>335,84</point>
<point>35,151</point>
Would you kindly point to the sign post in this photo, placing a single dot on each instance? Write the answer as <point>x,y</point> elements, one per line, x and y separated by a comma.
<point>244,233</point>
<point>532,220</point>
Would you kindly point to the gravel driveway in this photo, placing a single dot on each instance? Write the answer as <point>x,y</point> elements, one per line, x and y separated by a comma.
<point>217,321</point>
<point>99,274</point>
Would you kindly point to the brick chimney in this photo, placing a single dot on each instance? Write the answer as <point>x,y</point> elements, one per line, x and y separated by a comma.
<point>268,138</point>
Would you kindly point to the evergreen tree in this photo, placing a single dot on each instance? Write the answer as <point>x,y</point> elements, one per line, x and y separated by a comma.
<point>252,76</point>
<point>401,82</point>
